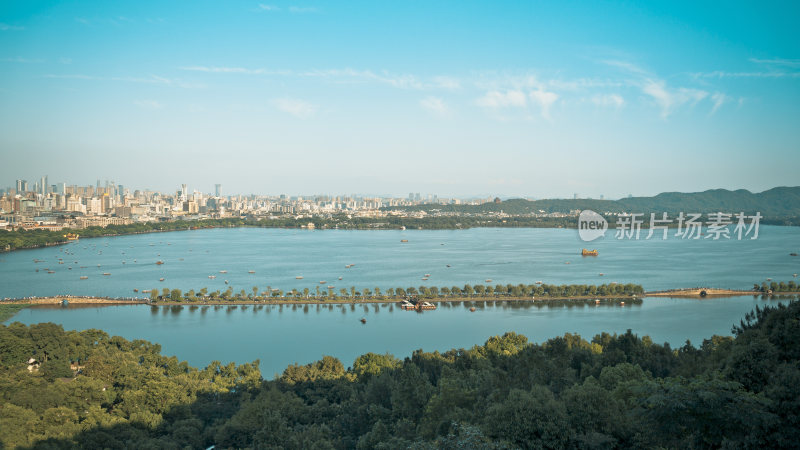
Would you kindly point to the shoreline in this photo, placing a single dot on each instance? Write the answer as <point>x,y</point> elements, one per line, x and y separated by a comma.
<point>92,300</point>
<point>392,227</point>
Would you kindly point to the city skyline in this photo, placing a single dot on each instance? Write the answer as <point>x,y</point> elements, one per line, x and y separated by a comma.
<point>458,99</point>
<point>22,185</point>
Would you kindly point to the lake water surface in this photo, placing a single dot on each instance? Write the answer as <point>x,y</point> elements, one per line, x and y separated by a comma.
<point>282,335</point>
<point>278,256</point>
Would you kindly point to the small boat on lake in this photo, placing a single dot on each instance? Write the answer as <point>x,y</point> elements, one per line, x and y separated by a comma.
<point>488,280</point>
<point>251,271</point>
<point>363,320</point>
<point>472,309</point>
<point>403,241</point>
<point>160,279</point>
<point>322,282</point>
<point>84,278</point>
<point>427,274</point>
<point>135,290</point>
<point>340,278</point>
<point>299,277</point>
<point>586,252</point>
<point>223,271</point>
<point>106,273</point>
<point>212,276</point>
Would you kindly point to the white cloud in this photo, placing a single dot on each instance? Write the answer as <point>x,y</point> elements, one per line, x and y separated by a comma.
<point>718,98</point>
<point>394,80</point>
<point>582,84</point>
<point>435,105</point>
<point>544,99</point>
<point>148,104</point>
<point>152,79</point>
<point>627,66</point>
<point>668,99</point>
<point>777,62</point>
<point>723,74</point>
<point>240,70</point>
<point>498,99</point>
<point>608,100</point>
<point>295,107</point>
<point>263,7</point>
<point>7,27</point>
<point>65,60</point>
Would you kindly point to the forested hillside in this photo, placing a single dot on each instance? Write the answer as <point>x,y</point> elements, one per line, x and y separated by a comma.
<point>613,391</point>
<point>780,202</point>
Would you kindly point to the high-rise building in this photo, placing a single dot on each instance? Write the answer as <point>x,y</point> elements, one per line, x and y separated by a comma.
<point>184,192</point>
<point>43,185</point>
<point>22,186</point>
<point>217,190</point>
<point>62,188</point>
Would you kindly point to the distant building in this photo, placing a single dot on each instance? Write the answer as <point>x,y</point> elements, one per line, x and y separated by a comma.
<point>217,190</point>
<point>191,207</point>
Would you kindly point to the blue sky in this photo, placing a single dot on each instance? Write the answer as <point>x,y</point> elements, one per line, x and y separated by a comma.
<point>535,99</point>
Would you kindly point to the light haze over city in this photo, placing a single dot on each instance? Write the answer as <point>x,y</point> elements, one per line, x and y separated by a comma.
<point>450,98</point>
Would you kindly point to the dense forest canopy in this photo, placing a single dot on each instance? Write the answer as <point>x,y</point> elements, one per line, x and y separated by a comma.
<point>88,389</point>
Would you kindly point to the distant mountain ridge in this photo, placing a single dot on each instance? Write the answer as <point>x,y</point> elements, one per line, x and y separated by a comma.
<point>774,203</point>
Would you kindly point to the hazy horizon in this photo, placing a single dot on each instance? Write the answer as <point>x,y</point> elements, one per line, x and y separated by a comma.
<point>457,99</point>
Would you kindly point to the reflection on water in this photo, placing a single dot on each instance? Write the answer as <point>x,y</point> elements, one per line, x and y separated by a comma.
<point>279,335</point>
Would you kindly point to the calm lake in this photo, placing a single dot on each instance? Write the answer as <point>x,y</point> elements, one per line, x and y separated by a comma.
<point>277,257</point>
<point>282,335</point>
